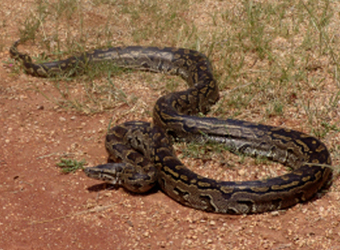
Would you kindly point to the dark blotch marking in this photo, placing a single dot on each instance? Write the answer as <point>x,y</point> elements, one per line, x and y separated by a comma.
<point>207,203</point>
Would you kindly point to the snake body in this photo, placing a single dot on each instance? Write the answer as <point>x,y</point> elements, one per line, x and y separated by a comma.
<point>141,154</point>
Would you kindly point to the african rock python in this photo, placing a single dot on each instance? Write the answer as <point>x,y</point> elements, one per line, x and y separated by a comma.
<point>141,154</point>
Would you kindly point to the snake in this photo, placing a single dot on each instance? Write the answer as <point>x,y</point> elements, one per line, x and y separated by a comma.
<point>141,154</point>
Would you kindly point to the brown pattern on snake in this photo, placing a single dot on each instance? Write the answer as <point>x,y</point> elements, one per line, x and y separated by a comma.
<point>141,154</point>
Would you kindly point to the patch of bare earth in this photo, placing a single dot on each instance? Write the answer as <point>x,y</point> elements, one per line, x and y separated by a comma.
<point>40,208</point>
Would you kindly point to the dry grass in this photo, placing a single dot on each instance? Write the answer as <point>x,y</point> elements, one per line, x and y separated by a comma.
<point>276,62</point>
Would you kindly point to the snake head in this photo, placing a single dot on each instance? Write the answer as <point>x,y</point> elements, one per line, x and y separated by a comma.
<point>108,172</point>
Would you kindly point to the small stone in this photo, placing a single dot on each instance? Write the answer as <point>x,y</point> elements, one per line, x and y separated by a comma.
<point>275,213</point>
<point>241,172</point>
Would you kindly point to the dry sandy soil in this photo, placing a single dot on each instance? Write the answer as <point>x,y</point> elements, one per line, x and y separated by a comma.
<point>40,208</point>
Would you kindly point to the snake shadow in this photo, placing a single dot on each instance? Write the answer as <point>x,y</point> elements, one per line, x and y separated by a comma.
<point>107,186</point>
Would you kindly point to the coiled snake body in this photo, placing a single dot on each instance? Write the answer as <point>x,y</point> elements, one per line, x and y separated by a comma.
<point>141,154</point>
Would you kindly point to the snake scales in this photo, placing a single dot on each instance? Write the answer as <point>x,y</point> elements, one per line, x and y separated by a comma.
<point>141,154</point>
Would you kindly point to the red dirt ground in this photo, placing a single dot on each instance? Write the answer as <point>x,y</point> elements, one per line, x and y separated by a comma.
<point>40,208</point>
